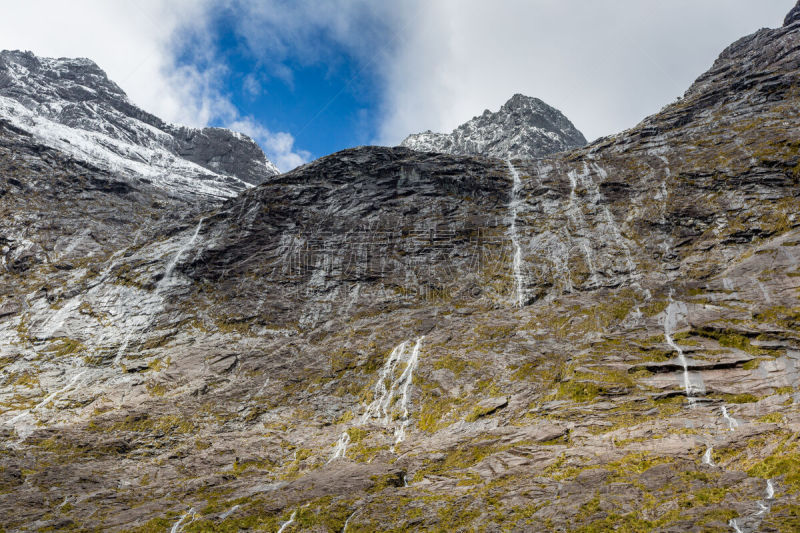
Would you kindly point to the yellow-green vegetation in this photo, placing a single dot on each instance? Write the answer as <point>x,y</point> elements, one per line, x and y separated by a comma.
<point>385,481</point>
<point>785,518</point>
<point>439,409</point>
<point>785,463</point>
<point>342,360</point>
<point>363,449</point>
<point>730,338</point>
<point>578,391</point>
<point>144,423</point>
<point>771,418</point>
<point>293,470</point>
<point>158,364</point>
<point>737,398</point>
<point>227,324</point>
<point>465,456</point>
<point>525,371</point>
<point>455,364</point>
<point>478,412</point>
<point>86,309</point>
<point>64,346</point>
<point>156,389</point>
<point>24,379</point>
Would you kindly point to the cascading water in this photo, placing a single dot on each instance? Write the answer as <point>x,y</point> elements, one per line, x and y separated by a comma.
<point>161,283</point>
<point>517,260</point>
<point>341,446</point>
<point>379,407</point>
<point>707,460</point>
<point>386,392</point>
<point>734,525</point>
<point>576,215</point>
<point>346,522</point>
<point>288,522</point>
<point>229,512</point>
<point>674,310</point>
<point>49,397</point>
<point>732,423</point>
<point>179,524</point>
<point>405,379</point>
<point>186,245</point>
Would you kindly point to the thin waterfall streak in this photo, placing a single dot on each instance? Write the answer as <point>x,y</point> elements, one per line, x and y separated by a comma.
<point>288,522</point>
<point>49,397</point>
<point>174,262</point>
<point>707,460</point>
<point>516,262</point>
<point>179,524</point>
<point>732,423</point>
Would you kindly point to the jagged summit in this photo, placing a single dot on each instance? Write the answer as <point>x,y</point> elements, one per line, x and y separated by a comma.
<point>71,105</point>
<point>793,15</point>
<point>524,127</point>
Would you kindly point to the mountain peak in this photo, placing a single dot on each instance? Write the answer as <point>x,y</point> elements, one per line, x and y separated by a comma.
<point>793,15</point>
<point>72,105</point>
<point>524,127</point>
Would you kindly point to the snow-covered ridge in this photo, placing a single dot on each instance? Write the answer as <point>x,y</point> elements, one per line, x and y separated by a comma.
<point>524,127</point>
<point>71,105</point>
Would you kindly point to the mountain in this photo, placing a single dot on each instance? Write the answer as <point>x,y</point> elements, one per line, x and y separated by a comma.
<point>604,339</point>
<point>71,105</point>
<point>524,127</point>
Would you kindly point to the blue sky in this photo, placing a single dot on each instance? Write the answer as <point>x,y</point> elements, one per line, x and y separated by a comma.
<point>306,78</point>
<point>326,99</point>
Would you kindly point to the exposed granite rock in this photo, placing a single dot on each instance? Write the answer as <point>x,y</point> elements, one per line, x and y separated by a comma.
<point>604,339</point>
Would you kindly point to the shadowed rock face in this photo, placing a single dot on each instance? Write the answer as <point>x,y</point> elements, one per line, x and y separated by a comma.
<point>793,16</point>
<point>345,343</point>
<point>76,94</point>
<point>524,127</point>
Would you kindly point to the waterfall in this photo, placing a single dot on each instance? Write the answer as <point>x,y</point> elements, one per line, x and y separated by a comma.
<point>49,397</point>
<point>341,446</point>
<point>577,219</point>
<point>164,279</point>
<point>405,379</point>
<point>186,245</point>
<point>732,423</point>
<point>387,391</point>
<point>734,525</point>
<point>670,323</point>
<point>378,408</point>
<point>179,524</point>
<point>707,456</point>
<point>346,522</point>
<point>517,260</point>
<point>288,522</point>
<point>229,512</point>
<point>770,490</point>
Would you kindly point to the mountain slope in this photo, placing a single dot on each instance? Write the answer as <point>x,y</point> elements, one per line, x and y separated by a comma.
<point>524,127</point>
<point>389,340</point>
<point>71,105</point>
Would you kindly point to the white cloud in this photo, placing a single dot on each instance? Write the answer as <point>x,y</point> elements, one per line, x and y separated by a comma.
<point>278,146</point>
<point>134,42</point>
<point>605,64</point>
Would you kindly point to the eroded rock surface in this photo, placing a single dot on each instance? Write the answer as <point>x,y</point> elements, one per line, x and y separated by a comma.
<point>390,340</point>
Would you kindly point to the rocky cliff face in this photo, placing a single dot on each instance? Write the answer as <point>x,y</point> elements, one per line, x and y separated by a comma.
<point>524,127</point>
<point>71,105</point>
<point>390,340</point>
